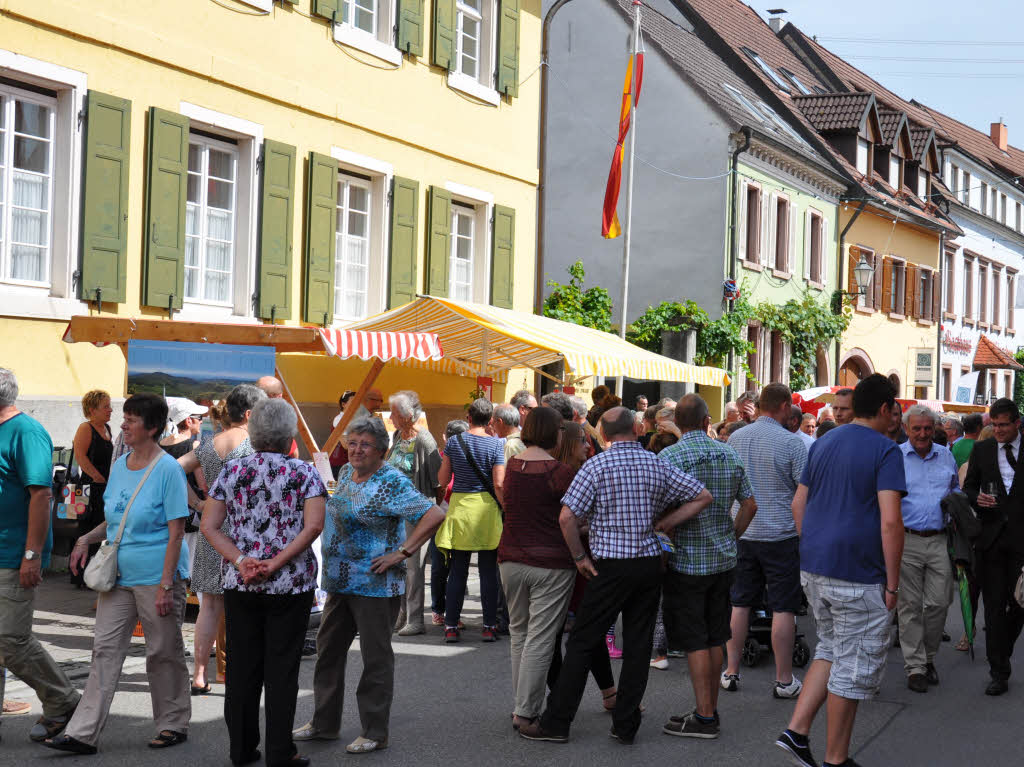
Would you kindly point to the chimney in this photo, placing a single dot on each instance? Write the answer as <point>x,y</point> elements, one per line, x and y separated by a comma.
<point>776,21</point>
<point>998,134</point>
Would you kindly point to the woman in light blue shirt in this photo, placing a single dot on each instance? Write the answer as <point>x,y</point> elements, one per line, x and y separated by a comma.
<point>152,564</point>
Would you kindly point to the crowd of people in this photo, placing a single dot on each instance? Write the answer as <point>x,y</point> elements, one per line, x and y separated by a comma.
<point>579,518</point>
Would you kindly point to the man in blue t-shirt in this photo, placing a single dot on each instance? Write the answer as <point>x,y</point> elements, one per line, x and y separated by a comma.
<point>847,511</point>
<point>26,475</point>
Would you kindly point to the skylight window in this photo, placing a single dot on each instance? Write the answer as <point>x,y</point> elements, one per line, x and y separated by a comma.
<point>796,81</point>
<point>781,124</point>
<point>767,70</point>
<point>746,103</point>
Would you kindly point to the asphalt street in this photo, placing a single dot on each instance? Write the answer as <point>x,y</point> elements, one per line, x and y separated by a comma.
<point>452,706</point>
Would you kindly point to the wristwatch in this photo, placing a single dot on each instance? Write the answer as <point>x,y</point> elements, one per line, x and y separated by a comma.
<point>894,591</point>
<point>166,587</point>
<point>239,560</point>
<point>404,552</point>
<point>30,555</point>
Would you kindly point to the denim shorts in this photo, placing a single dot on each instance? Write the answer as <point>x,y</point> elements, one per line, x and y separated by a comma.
<point>854,632</point>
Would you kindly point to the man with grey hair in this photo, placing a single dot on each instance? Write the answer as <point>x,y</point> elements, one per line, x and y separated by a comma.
<point>506,424</point>
<point>26,476</point>
<point>274,389</point>
<point>796,417</point>
<point>953,428</point>
<point>561,403</point>
<point>925,572</point>
<point>523,401</point>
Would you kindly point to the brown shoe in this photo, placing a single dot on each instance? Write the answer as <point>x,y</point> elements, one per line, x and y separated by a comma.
<point>917,683</point>
<point>533,731</point>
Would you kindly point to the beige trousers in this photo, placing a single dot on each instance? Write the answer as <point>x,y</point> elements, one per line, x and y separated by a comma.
<point>117,612</point>
<point>925,576</point>
<point>21,652</point>
<point>411,612</point>
<point>537,599</point>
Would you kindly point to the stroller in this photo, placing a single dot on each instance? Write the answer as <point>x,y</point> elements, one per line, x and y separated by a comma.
<point>759,636</point>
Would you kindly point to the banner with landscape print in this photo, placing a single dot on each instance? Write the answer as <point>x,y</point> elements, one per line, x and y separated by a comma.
<point>203,373</point>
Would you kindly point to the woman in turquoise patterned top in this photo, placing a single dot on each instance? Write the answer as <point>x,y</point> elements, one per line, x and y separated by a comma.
<point>364,551</point>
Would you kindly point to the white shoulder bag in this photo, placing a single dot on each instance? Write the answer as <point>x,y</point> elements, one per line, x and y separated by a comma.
<point>101,574</point>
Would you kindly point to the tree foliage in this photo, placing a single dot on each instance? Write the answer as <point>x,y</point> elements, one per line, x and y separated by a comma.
<point>1018,381</point>
<point>591,308</point>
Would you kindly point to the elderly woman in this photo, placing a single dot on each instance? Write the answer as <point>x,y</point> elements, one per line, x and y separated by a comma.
<point>414,453</point>
<point>438,561</point>
<point>364,557</point>
<point>93,450</point>
<point>211,455</point>
<point>473,523</point>
<point>148,486</point>
<point>274,510</point>
<point>536,567</point>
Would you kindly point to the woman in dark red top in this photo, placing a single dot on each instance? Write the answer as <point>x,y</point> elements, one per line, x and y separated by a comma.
<point>537,570</point>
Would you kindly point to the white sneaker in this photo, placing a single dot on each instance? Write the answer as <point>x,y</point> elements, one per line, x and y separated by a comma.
<point>660,663</point>
<point>308,732</point>
<point>730,682</point>
<point>791,690</point>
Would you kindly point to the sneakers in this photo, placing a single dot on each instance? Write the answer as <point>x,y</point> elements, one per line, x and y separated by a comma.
<point>692,727</point>
<point>309,732</point>
<point>730,682</point>
<point>487,634</point>
<point>451,635</point>
<point>800,755</point>
<point>533,731</point>
<point>409,630</point>
<point>790,690</point>
<point>626,740</point>
<point>660,662</point>
<point>613,652</point>
<point>437,619</point>
<point>680,717</point>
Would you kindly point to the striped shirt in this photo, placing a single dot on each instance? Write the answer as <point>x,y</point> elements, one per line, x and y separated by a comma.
<point>775,460</point>
<point>621,492</point>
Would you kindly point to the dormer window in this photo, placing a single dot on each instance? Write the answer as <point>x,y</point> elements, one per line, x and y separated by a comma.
<point>775,78</point>
<point>863,156</point>
<point>796,81</point>
<point>895,171</point>
<point>922,184</point>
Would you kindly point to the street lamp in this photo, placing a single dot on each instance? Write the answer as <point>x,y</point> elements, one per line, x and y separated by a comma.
<point>862,274</point>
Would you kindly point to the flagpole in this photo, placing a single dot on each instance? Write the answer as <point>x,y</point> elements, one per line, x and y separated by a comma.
<point>627,229</point>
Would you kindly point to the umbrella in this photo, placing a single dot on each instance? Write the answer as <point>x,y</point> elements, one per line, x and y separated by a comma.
<point>965,606</point>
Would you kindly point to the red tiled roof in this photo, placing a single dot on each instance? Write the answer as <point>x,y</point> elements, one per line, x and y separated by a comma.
<point>918,137</point>
<point>989,355</point>
<point>889,121</point>
<point>978,144</point>
<point>835,111</point>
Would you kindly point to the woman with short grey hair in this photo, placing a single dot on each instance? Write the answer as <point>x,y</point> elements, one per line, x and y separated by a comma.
<point>364,556</point>
<point>414,453</point>
<point>264,512</point>
<point>8,388</point>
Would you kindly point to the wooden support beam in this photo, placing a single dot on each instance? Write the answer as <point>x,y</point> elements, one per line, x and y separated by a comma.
<point>353,405</point>
<point>304,433</point>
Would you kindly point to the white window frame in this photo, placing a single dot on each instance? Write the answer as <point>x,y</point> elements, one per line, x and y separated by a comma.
<point>809,255</point>
<point>894,171</point>
<point>381,44</point>
<point>787,255</point>
<point>922,184</point>
<point>898,273</point>
<point>381,174</point>
<point>482,86</point>
<point>483,205</point>
<point>863,148</point>
<point>206,145</point>
<point>56,299</point>
<point>249,137</point>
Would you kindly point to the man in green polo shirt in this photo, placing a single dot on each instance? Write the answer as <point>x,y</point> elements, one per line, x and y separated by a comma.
<point>26,476</point>
<point>962,448</point>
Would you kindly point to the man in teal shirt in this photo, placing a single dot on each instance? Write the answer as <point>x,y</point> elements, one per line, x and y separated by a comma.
<point>962,448</point>
<point>26,455</point>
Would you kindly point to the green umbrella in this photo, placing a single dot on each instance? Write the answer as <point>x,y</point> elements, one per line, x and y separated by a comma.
<point>965,606</point>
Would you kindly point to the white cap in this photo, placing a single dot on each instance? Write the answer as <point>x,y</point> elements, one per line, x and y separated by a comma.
<point>180,408</point>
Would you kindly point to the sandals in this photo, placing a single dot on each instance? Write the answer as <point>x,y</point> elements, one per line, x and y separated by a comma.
<point>363,745</point>
<point>70,745</point>
<point>963,645</point>
<point>168,738</point>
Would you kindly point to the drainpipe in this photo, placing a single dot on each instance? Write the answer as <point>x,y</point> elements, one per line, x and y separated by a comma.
<point>733,245</point>
<point>840,259</point>
<point>538,298</point>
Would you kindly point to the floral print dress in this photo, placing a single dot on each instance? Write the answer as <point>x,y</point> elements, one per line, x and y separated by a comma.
<point>265,494</point>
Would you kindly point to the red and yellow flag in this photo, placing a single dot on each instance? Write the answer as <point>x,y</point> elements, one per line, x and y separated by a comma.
<point>610,227</point>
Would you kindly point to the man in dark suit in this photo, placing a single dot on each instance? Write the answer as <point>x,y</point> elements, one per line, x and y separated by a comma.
<point>995,486</point>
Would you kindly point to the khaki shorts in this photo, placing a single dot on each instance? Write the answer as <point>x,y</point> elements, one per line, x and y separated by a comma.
<point>854,632</point>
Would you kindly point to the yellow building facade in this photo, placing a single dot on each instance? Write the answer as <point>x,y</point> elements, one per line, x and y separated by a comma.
<point>258,160</point>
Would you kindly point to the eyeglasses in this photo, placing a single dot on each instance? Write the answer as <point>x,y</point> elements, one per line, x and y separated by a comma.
<point>358,446</point>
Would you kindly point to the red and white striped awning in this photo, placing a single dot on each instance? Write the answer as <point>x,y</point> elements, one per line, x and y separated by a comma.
<point>384,345</point>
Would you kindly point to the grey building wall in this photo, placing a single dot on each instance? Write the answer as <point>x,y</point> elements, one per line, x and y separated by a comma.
<point>679,227</point>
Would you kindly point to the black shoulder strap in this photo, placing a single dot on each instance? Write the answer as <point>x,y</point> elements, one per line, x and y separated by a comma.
<point>484,480</point>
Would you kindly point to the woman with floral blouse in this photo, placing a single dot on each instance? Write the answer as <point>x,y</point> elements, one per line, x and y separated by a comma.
<point>274,506</point>
<point>364,550</point>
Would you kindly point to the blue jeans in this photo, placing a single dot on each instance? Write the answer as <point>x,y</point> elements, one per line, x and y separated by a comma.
<point>487,567</point>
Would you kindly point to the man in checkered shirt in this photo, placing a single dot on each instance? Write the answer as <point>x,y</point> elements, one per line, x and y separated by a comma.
<point>625,494</point>
<point>700,571</point>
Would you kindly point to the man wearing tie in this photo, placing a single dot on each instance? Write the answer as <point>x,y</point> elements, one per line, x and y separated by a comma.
<point>997,493</point>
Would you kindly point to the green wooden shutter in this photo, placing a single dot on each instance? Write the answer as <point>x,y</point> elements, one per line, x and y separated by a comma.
<point>405,199</point>
<point>330,9</point>
<point>276,213</point>
<point>321,217</point>
<point>105,198</point>
<point>508,48</point>
<point>439,236</point>
<point>410,27</point>
<point>443,41</point>
<point>163,262</point>
<point>503,256</point>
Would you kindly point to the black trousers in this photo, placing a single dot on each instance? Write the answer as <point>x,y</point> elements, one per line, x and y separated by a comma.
<point>600,666</point>
<point>265,633</point>
<point>629,586</point>
<point>998,568</point>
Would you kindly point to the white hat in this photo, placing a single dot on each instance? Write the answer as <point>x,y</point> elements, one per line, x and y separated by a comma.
<point>180,408</point>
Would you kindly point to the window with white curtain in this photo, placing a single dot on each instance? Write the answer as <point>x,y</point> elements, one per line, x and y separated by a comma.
<point>210,214</point>
<point>352,248</point>
<point>460,275</point>
<point>27,127</point>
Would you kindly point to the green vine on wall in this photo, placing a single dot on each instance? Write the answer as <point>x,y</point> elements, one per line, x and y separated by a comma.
<point>591,308</point>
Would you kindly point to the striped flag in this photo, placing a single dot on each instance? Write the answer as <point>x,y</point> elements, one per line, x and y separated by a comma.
<point>610,227</point>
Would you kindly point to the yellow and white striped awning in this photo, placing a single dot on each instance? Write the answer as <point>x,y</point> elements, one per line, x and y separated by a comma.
<point>483,340</point>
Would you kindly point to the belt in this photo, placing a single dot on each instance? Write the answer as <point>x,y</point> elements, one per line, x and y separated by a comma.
<point>923,533</point>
